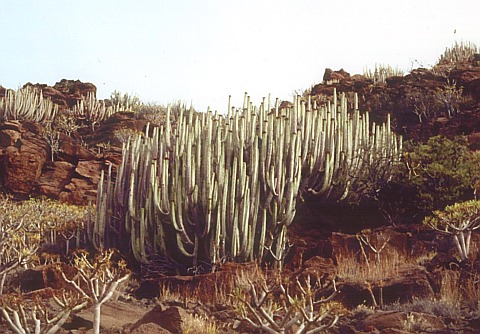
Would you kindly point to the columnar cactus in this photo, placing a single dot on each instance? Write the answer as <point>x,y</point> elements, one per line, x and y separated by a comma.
<point>94,111</point>
<point>226,186</point>
<point>27,104</point>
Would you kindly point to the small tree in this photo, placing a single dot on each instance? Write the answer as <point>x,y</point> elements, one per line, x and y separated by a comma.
<point>458,220</point>
<point>97,279</point>
<point>15,248</point>
<point>40,314</point>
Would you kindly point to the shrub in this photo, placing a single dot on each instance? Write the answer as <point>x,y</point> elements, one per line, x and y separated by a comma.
<point>280,309</point>
<point>441,171</point>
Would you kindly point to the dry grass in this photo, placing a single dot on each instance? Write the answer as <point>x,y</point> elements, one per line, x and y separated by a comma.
<point>461,291</point>
<point>358,270</point>
<point>458,296</point>
<point>199,325</point>
<point>450,291</point>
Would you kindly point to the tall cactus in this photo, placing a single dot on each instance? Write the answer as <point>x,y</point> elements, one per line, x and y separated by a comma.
<point>27,104</point>
<point>226,186</point>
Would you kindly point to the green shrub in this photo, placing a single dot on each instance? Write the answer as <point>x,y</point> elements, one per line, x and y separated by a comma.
<point>442,172</point>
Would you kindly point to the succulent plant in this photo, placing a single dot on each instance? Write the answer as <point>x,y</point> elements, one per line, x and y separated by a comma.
<point>226,186</point>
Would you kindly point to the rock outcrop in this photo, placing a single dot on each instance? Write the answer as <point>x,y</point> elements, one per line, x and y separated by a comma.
<point>26,166</point>
<point>413,100</point>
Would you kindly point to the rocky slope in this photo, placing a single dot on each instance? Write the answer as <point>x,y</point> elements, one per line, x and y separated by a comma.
<point>318,248</point>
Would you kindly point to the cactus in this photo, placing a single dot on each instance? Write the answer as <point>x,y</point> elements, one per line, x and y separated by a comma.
<point>94,111</point>
<point>27,104</point>
<point>219,187</point>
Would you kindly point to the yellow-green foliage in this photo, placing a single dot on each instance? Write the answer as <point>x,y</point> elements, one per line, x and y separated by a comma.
<point>124,133</point>
<point>457,217</point>
<point>43,219</point>
<point>459,220</point>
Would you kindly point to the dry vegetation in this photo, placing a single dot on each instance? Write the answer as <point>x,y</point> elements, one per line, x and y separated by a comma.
<point>43,232</point>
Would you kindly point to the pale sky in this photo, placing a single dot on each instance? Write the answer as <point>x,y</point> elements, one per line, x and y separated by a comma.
<point>201,52</point>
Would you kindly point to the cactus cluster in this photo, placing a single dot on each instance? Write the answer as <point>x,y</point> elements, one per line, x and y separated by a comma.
<point>216,187</point>
<point>94,111</point>
<point>27,104</point>
<point>382,72</point>
<point>459,52</point>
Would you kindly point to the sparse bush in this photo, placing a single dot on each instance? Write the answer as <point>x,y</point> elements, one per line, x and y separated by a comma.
<point>427,306</point>
<point>66,123</point>
<point>423,103</point>
<point>46,221</point>
<point>300,311</point>
<point>40,314</point>
<point>371,269</point>
<point>123,134</point>
<point>52,137</point>
<point>450,97</point>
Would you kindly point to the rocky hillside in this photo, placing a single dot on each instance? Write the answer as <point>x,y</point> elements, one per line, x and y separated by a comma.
<point>418,103</point>
<point>393,279</point>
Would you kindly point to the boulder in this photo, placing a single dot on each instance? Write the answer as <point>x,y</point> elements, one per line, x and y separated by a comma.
<point>149,328</point>
<point>338,76</point>
<point>171,319</point>
<point>22,156</point>
<point>54,178</point>
<point>469,79</point>
<point>82,187</point>
<point>43,277</point>
<point>74,90</point>
<point>49,92</point>
<point>319,267</point>
<point>73,152</point>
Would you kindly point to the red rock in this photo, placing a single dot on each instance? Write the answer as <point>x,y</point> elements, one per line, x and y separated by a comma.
<point>409,282</point>
<point>79,191</point>
<point>149,328</point>
<point>319,267</point>
<point>22,166</point>
<point>74,90</point>
<point>73,152</point>
<point>469,79</point>
<point>49,92</point>
<point>52,181</point>
<point>171,319</point>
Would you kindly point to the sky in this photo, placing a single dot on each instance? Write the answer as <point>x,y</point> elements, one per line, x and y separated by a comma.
<point>200,52</point>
